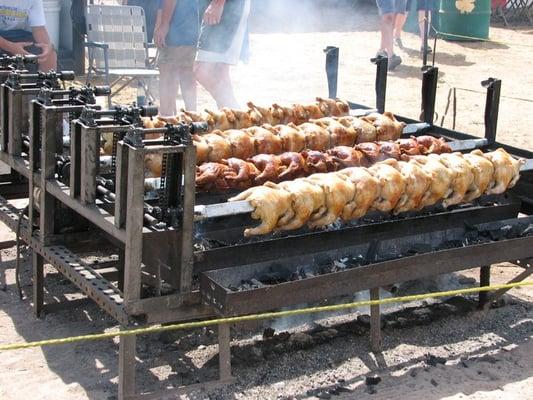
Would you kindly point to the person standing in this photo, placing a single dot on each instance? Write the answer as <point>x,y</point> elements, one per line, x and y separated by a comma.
<point>176,36</point>
<point>389,11</point>
<point>421,7</point>
<point>23,31</point>
<point>150,8</point>
<point>223,42</point>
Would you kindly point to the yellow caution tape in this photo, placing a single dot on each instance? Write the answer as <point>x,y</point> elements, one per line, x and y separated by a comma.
<point>253,317</point>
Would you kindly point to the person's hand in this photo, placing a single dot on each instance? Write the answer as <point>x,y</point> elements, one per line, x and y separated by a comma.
<point>47,50</point>
<point>213,14</point>
<point>18,48</point>
<point>160,35</point>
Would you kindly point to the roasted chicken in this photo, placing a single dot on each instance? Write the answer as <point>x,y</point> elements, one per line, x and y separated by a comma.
<point>307,201</point>
<point>291,165</point>
<point>506,170</point>
<point>272,205</point>
<point>388,128</point>
<point>388,186</point>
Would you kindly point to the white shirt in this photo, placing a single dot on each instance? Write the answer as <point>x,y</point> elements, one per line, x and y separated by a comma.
<point>21,14</point>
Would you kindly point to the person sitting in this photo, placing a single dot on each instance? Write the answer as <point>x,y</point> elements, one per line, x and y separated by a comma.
<point>176,36</point>
<point>223,42</point>
<point>23,31</point>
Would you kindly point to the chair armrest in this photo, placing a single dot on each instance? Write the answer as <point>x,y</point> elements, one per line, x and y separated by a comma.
<point>97,44</point>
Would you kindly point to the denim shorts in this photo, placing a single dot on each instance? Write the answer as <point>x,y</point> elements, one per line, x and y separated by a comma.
<point>422,5</point>
<point>391,6</point>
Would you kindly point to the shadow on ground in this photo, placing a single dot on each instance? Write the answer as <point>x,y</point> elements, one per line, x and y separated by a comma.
<point>187,357</point>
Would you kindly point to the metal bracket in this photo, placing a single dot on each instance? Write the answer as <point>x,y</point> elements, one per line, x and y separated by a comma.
<point>382,65</point>
<point>430,77</point>
<point>332,70</point>
<point>492,107</point>
<point>134,137</point>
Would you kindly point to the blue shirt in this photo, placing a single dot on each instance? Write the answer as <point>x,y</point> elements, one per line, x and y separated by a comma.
<point>184,25</point>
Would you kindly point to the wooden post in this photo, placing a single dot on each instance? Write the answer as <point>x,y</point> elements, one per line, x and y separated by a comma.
<point>484,280</point>
<point>224,352</point>
<point>132,266</point>
<point>38,284</point>
<point>126,367</point>
<point>375,322</point>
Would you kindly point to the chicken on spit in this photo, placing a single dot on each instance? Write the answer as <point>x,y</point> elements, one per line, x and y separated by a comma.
<point>506,170</point>
<point>307,201</point>
<point>273,206</point>
<point>388,128</point>
<point>390,185</point>
<point>290,165</point>
<point>339,192</point>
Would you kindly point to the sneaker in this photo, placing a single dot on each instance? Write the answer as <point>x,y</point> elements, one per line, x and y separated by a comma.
<point>398,42</point>
<point>394,61</point>
<point>430,50</point>
<point>382,53</point>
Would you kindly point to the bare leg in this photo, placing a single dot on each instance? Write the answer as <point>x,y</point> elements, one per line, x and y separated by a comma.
<point>187,83</point>
<point>216,79</point>
<point>398,25</point>
<point>387,28</point>
<point>168,89</point>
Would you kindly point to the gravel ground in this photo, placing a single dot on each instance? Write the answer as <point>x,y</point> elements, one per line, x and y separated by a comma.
<point>444,351</point>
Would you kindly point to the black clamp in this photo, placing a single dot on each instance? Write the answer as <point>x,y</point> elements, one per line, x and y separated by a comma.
<point>134,137</point>
<point>88,117</point>
<point>45,96</point>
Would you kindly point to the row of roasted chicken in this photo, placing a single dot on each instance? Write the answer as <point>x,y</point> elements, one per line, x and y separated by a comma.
<point>319,135</point>
<point>230,118</point>
<point>388,186</point>
<point>235,173</point>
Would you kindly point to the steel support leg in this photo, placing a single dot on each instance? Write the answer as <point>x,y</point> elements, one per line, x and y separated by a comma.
<point>224,352</point>
<point>38,284</point>
<point>126,367</point>
<point>332,70</point>
<point>484,280</point>
<point>492,106</point>
<point>375,322</point>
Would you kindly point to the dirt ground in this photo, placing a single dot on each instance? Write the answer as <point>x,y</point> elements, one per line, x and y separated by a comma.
<point>457,354</point>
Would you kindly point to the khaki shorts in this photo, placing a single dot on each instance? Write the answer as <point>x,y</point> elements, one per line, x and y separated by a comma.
<point>181,56</point>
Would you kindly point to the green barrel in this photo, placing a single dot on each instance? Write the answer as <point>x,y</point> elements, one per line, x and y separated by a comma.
<point>469,19</point>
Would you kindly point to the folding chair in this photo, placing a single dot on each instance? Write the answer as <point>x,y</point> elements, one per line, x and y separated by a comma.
<point>117,47</point>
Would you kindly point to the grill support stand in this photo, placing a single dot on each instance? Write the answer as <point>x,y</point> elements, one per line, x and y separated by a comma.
<point>382,65</point>
<point>492,107</point>
<point>224,352</point>
<point>375,322</point>
<point>484,280</point>
<point>430,77</point>
<point>332,70</point>
<point>38,284</point>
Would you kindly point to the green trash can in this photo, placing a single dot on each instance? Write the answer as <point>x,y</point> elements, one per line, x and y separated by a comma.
<point>468,19</point>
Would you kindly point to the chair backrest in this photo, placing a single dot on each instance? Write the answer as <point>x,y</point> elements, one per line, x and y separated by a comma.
<point>123,29</point>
